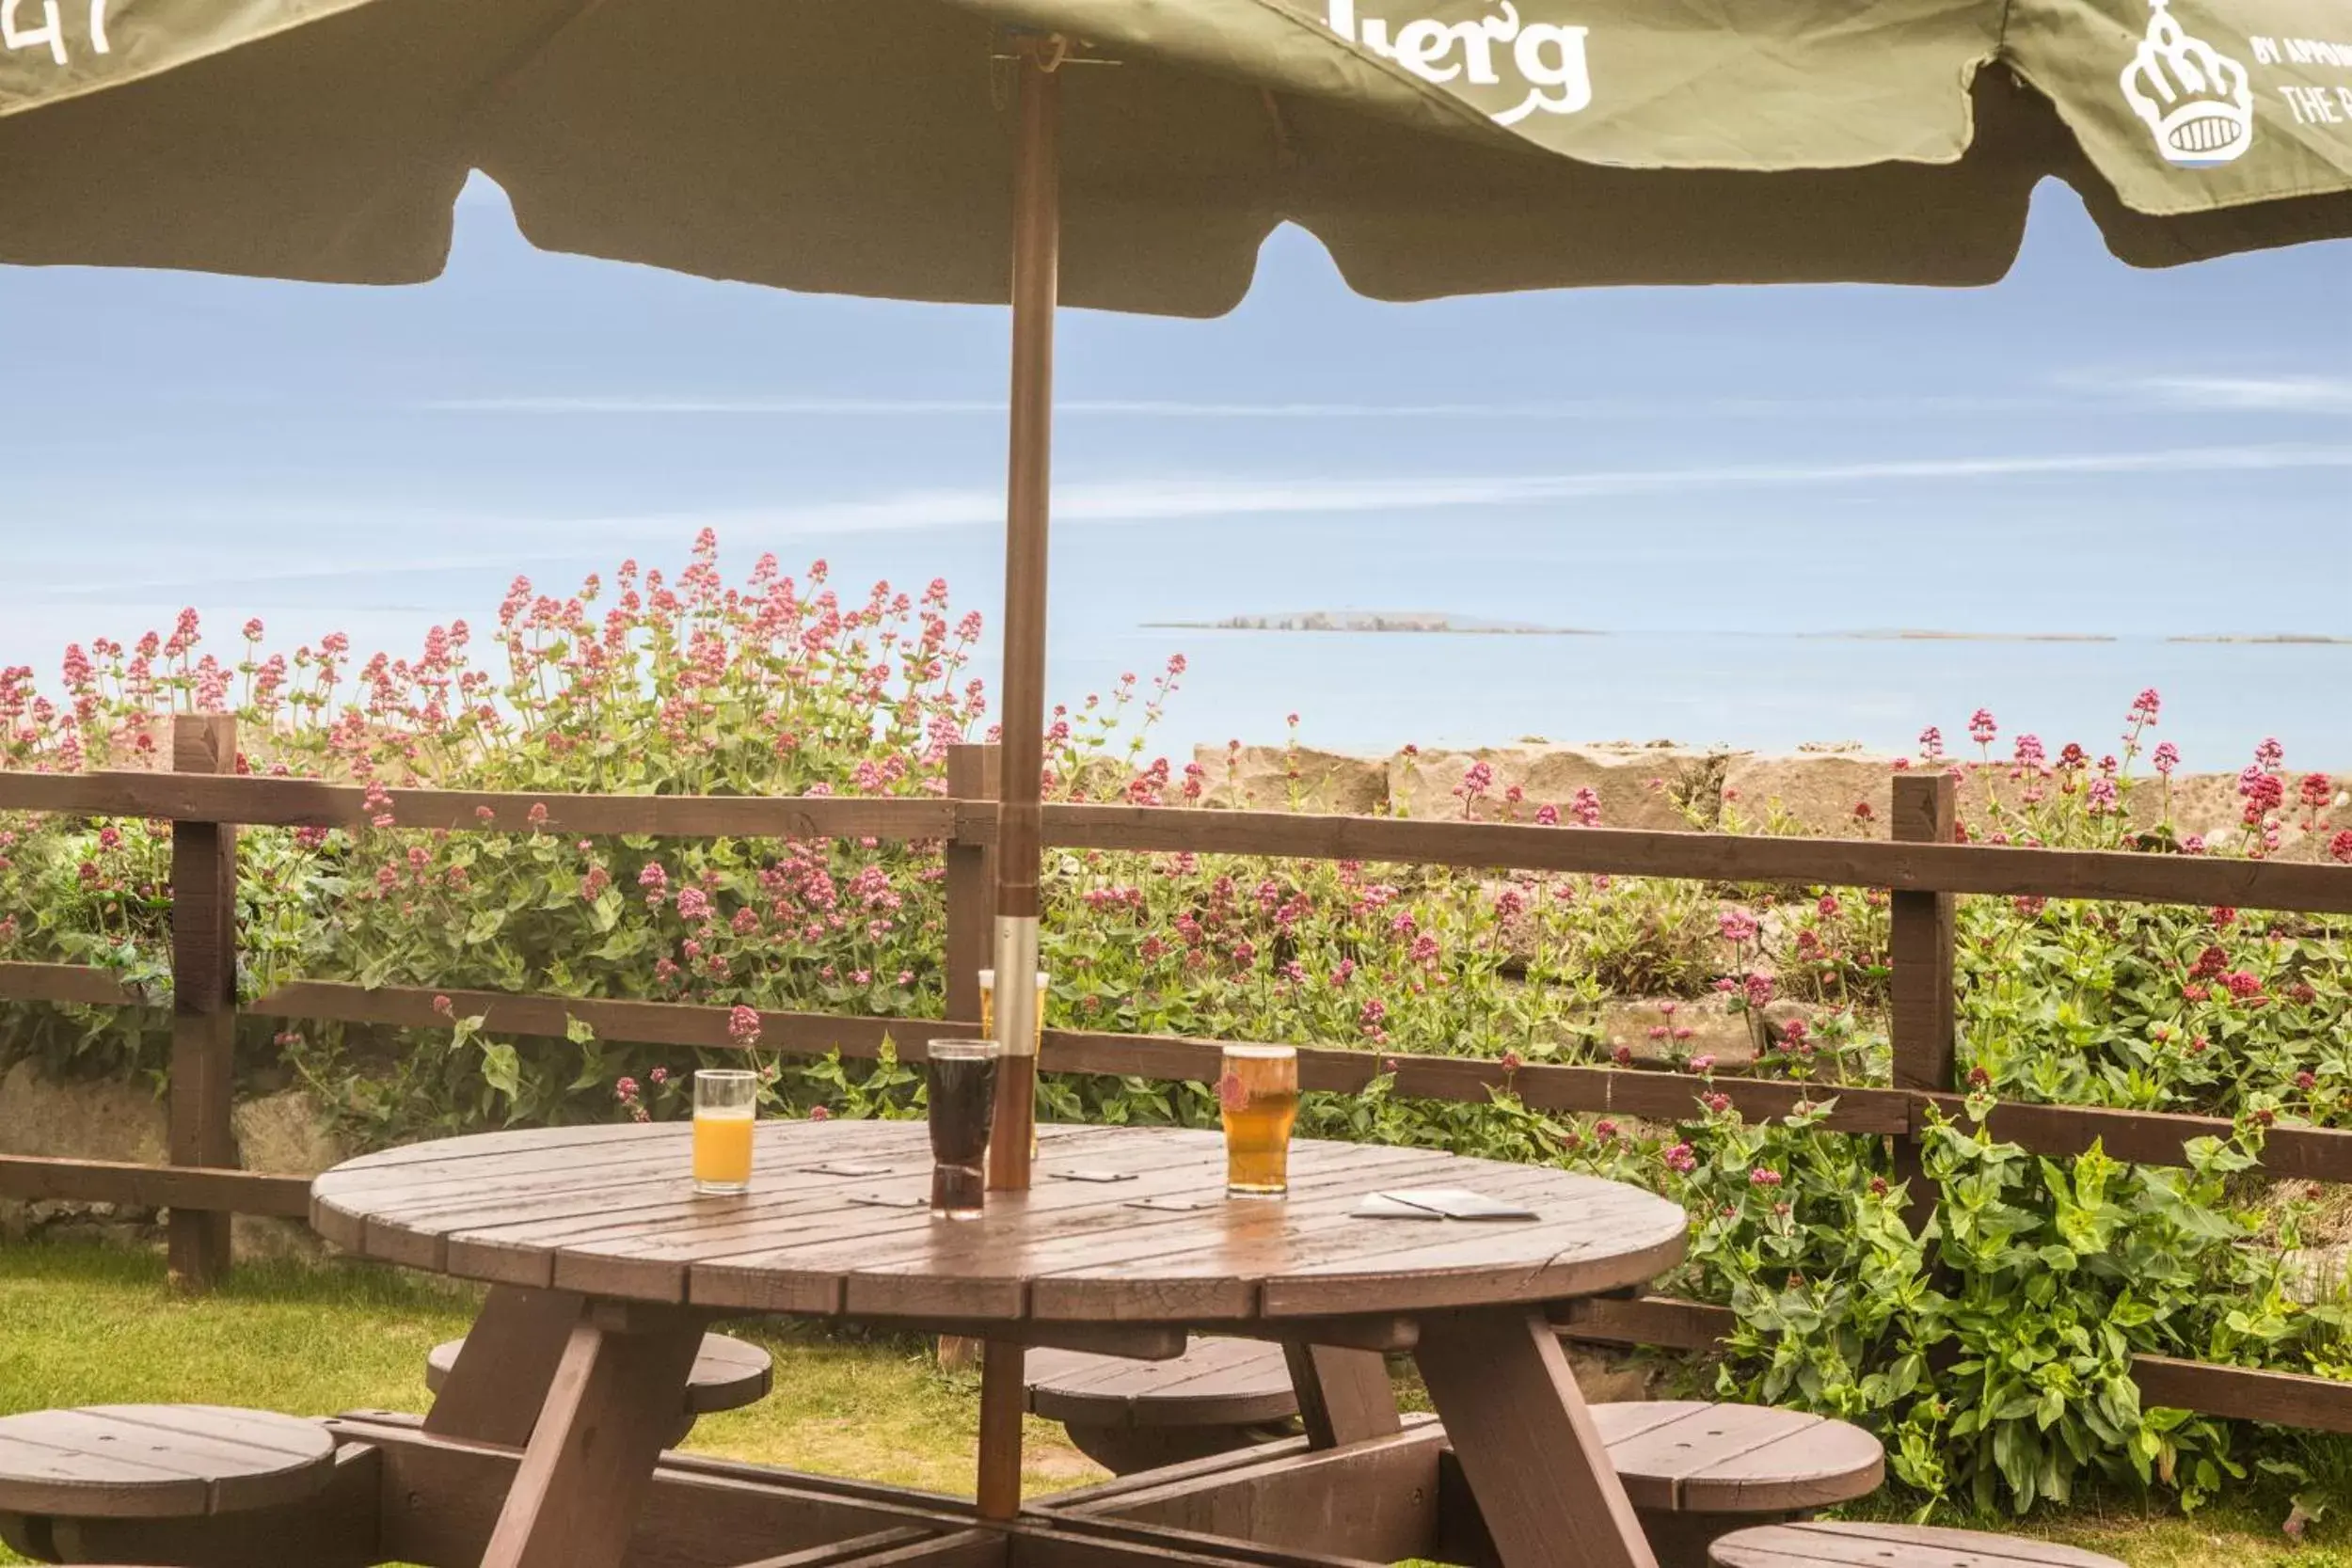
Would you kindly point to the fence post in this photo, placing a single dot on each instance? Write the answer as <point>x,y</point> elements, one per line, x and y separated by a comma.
<point>1920,950</point>
<point>971,885</point>
<point>972,776</point>
<point>203,998</point>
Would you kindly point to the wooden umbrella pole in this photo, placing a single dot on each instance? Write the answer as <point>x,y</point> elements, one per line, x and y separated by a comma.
<point>1036,255</point>
<point>1035,266</point>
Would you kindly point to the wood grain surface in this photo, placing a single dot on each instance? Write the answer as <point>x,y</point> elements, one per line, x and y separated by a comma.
<point>158,1461</point>
<point>1816,1544</point>
<point>610,1212</point>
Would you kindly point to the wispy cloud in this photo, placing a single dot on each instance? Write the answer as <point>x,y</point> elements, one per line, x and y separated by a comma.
<point>2281,394</point>
<point>1151,500</point>
<point>659,406</point>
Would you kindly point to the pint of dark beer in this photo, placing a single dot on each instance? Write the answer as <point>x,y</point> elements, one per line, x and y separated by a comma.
<point>962,1097</point>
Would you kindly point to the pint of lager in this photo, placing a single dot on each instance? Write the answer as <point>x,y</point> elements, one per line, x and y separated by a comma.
<point>1258,1094</point>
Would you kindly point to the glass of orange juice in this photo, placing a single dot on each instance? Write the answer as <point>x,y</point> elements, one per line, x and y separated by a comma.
<point>727,1106</point>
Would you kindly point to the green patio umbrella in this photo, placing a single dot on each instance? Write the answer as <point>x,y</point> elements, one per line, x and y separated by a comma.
<point>1133,154</point>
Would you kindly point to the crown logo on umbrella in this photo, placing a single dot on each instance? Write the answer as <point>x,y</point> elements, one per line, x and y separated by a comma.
<point>2194,98</point>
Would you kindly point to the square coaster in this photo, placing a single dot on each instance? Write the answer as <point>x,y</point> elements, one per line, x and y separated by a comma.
<point>1091,1175</point>
<point>891,1200</point>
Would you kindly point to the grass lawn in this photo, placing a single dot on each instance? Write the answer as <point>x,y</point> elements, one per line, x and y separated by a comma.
<point>85,1326</point>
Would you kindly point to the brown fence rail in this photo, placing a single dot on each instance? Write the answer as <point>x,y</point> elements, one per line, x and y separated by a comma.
<point>1921,866</point>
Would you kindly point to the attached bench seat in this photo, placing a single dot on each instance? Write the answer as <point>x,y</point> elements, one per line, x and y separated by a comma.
<point>151,1462</point>
<point>1817,1545</point>
<point>729,1373</point>
<point>1693,1471</point>
<point>1127,1416</point>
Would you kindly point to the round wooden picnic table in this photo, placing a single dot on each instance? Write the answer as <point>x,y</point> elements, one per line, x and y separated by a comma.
<point>610,1266</point>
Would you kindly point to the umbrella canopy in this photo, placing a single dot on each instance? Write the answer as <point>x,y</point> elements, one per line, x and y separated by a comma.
<point>1434,146</point>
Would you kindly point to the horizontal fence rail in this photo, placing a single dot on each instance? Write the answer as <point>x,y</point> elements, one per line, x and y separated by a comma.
<point>1920,866</point>
<point>1909,868</point>
<point>312,803</point>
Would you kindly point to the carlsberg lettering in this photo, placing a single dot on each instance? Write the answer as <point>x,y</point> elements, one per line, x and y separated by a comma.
<point>1549,58</point>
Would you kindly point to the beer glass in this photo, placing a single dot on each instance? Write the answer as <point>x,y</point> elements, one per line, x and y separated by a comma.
<point>988,1025</point>
<point>726,1105</point>
<point>962,1097</point>
<point>1258,1095</point>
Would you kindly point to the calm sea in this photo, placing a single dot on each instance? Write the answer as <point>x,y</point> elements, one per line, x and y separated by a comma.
<point>1373,692</point>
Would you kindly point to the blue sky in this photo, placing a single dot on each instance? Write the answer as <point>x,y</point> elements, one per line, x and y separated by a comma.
<point>2083,448</point>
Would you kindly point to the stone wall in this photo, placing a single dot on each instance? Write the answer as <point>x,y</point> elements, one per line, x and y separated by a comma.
<point>1839,791</point>
<point>286,1134</point>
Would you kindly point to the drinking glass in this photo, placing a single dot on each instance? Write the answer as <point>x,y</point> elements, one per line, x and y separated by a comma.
<point>1258,1095</point>
<point>726,1105</point>
<point>987,1027</point>
<point>963,1105</point>
<point>988,1004</point>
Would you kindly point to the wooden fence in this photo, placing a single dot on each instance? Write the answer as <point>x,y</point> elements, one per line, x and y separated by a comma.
<point>1921,866</point>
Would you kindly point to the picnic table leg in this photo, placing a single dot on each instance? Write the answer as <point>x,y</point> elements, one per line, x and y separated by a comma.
<point>494,1392</point>
<point>611,1402</point>
<point>1527,1443</point>
<point>1344,1395</point>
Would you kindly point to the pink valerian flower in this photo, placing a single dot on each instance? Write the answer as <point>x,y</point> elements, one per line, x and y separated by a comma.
<point>1547,816</point>
<point>442,1006</point>
<point>1584,805</point>
<point>2029,753</point>
<point>815,1112</point>
<point>1758,988</point>
<point>1716,1104</point>
<point>1931,743</point>
<point>656,882</point>
<point>1510,1062</point>
<point>626,1091</point>
<point>2264,793</point>
<point>2243,984</point>
<point>2102,797</point>
<point>1681,1160</point>
<point>1704,1063</point>
<point>1736,925</point>
<point>2315,791</point>
<point>743,1025</point>
<point>2144,708</point>
<point>693,904</point>
<point>2166,758</point>
<point>658,1076</point>
<point>2269,756</point>
<point>2339,848</point>
<point>1763,1175</point>
<point>1981,727</point>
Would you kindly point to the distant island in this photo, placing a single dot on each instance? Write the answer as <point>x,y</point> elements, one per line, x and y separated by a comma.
<point>1376,620</point>
<point>2297,637</point>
